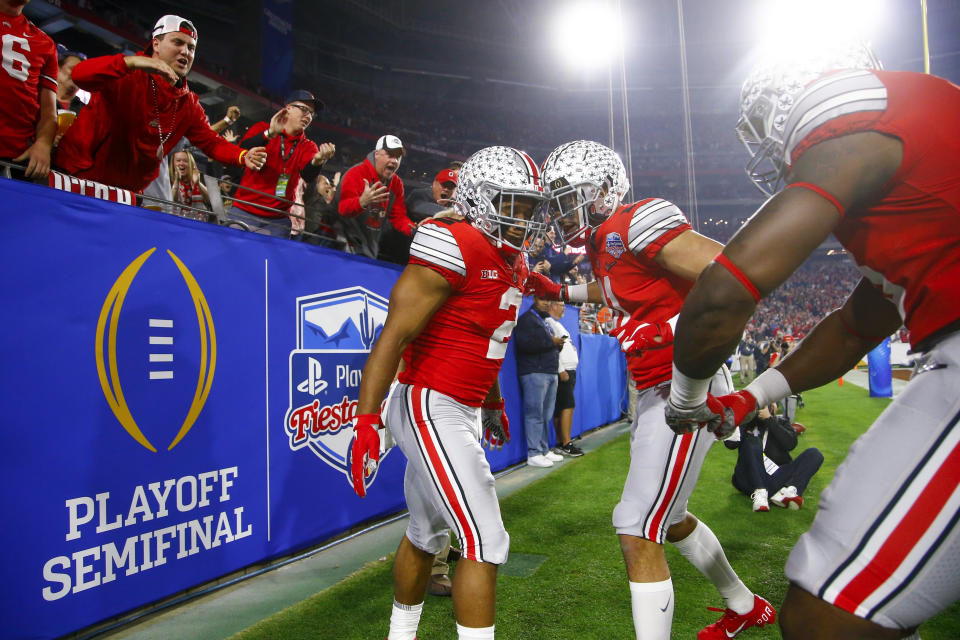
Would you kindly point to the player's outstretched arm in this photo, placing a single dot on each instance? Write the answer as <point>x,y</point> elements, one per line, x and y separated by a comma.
<point>416,296</point>
<point>774,243</point>
<point>688,254</point>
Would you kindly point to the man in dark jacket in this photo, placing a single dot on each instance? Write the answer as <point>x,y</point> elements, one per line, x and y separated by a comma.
<point>538,359</point>
<point>764,465</point>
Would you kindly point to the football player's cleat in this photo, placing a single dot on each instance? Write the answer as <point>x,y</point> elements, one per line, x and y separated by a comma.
<point>768,96</point>
<point>365,450</point>
<point>732,623</point>
<point>584,183</point>
<point>496,425</point>
<point>490,184</point>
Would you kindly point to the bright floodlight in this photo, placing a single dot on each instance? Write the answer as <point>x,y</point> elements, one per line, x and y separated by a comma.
<point>788,24</point>
<point>588,34</point>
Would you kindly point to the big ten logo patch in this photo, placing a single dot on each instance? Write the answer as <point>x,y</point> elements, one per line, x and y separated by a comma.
<point>156,349</point>
<point>335,331</point>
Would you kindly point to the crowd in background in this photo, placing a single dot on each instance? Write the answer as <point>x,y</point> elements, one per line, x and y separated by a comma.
<point>345,127</point>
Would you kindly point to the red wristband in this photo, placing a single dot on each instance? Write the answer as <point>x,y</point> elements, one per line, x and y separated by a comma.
<point>734,270</point>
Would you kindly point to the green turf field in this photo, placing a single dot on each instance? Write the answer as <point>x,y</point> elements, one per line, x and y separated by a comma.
<point>580,589</point>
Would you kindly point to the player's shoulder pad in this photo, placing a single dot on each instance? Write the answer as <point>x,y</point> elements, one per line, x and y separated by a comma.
<point>830,97</point>
<point>651,219</point>
<point>434,242</point>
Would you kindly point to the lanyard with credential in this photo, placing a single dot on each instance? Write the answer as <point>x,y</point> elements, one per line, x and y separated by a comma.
<point>284,178</point>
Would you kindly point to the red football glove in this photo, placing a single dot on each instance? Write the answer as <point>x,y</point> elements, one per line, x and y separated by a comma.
<point>541,286</point>
<point>496,425</point>
<point>365,452</point>
<point>637,337</point>
<point>738,407</point>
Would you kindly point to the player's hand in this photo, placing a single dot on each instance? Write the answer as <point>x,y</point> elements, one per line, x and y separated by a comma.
<point>373,193</point>
<point>255,158</point>
<point>230,136</point>
<point>324,152</point>
<point>496,425</point>
<point>154,66</point>
<point>688,419</point>
<point>233,112</point>
<point>365,451</point>
<point>738,407</point>
<point>37,157</point>
<point>637,337</point>
<point>541,286</point>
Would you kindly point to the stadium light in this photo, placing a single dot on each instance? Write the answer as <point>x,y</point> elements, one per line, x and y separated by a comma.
<point>588,35</point>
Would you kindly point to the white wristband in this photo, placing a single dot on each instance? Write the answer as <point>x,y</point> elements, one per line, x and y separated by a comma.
<point>687,392</point>
<point>577,293</point>
<point>228,120</point>
<point>770,386</point>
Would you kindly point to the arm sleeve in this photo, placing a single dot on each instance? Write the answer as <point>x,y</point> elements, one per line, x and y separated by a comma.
<point>310,171</point>
<point>653,225</point>
<point>255,136</point>
<point>783,433</point>
<point>398,212</point>
<point>351,186</point>
<point>96,73</point>
<point>48,75</point>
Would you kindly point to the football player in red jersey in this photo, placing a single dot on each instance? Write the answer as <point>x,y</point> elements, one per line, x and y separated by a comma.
<point>645,257</point>
<point>870,156</point>
<point>28,83</point>
<point>451,314</point>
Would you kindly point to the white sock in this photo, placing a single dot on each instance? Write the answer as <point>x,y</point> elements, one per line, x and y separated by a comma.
<point>702,549</point>
<point>652,604</point>
<point>474,633</point>
<point>404,621</point>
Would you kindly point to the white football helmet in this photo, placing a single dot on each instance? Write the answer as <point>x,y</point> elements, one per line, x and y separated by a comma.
<point>770,92</point>
<point>490,183</point>
<point>584,183</point>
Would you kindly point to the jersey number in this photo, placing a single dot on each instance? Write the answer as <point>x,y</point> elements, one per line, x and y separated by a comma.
<point>14,62</point>
<point>497,348</point>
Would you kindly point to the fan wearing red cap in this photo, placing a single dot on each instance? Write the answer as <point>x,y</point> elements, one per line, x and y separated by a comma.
<point>115,139</point>
<point>28,84</point>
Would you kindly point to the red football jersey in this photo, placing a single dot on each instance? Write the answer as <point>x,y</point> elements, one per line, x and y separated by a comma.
<point>634,286</point>
<point>460,351</point>
<point>908,242</point>
<point>29,62</point>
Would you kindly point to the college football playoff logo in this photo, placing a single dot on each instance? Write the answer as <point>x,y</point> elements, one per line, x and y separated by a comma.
<point>335,331</point>
<point>170,366</point>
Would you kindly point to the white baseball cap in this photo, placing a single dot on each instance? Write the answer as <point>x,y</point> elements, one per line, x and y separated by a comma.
<point>171,23</point>
<point>390,143</point>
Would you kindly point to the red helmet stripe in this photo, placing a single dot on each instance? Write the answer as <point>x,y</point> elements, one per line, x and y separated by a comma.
<point>532,169</point>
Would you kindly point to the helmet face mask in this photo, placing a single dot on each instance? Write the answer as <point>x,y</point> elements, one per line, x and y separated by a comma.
<point>586,182</point>
<point>768,96</point>
<point>499,192</point>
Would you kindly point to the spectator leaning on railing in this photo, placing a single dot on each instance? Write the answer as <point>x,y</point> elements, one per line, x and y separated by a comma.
<point>370,191</point>
<point>28,84</point>
<point>290,156</point>
<point>139,109</point>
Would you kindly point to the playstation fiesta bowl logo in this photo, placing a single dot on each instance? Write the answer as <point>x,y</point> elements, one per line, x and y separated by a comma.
<point>156,349</point>
<point>335,331</point>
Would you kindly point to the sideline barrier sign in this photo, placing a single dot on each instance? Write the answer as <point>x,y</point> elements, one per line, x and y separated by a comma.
<point>178,402</point>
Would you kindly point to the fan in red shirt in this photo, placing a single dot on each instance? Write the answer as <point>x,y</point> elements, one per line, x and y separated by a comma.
<point>370,191</point>
<point>139,110</point>
<point>28,83</point>
<point>265,196</point>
